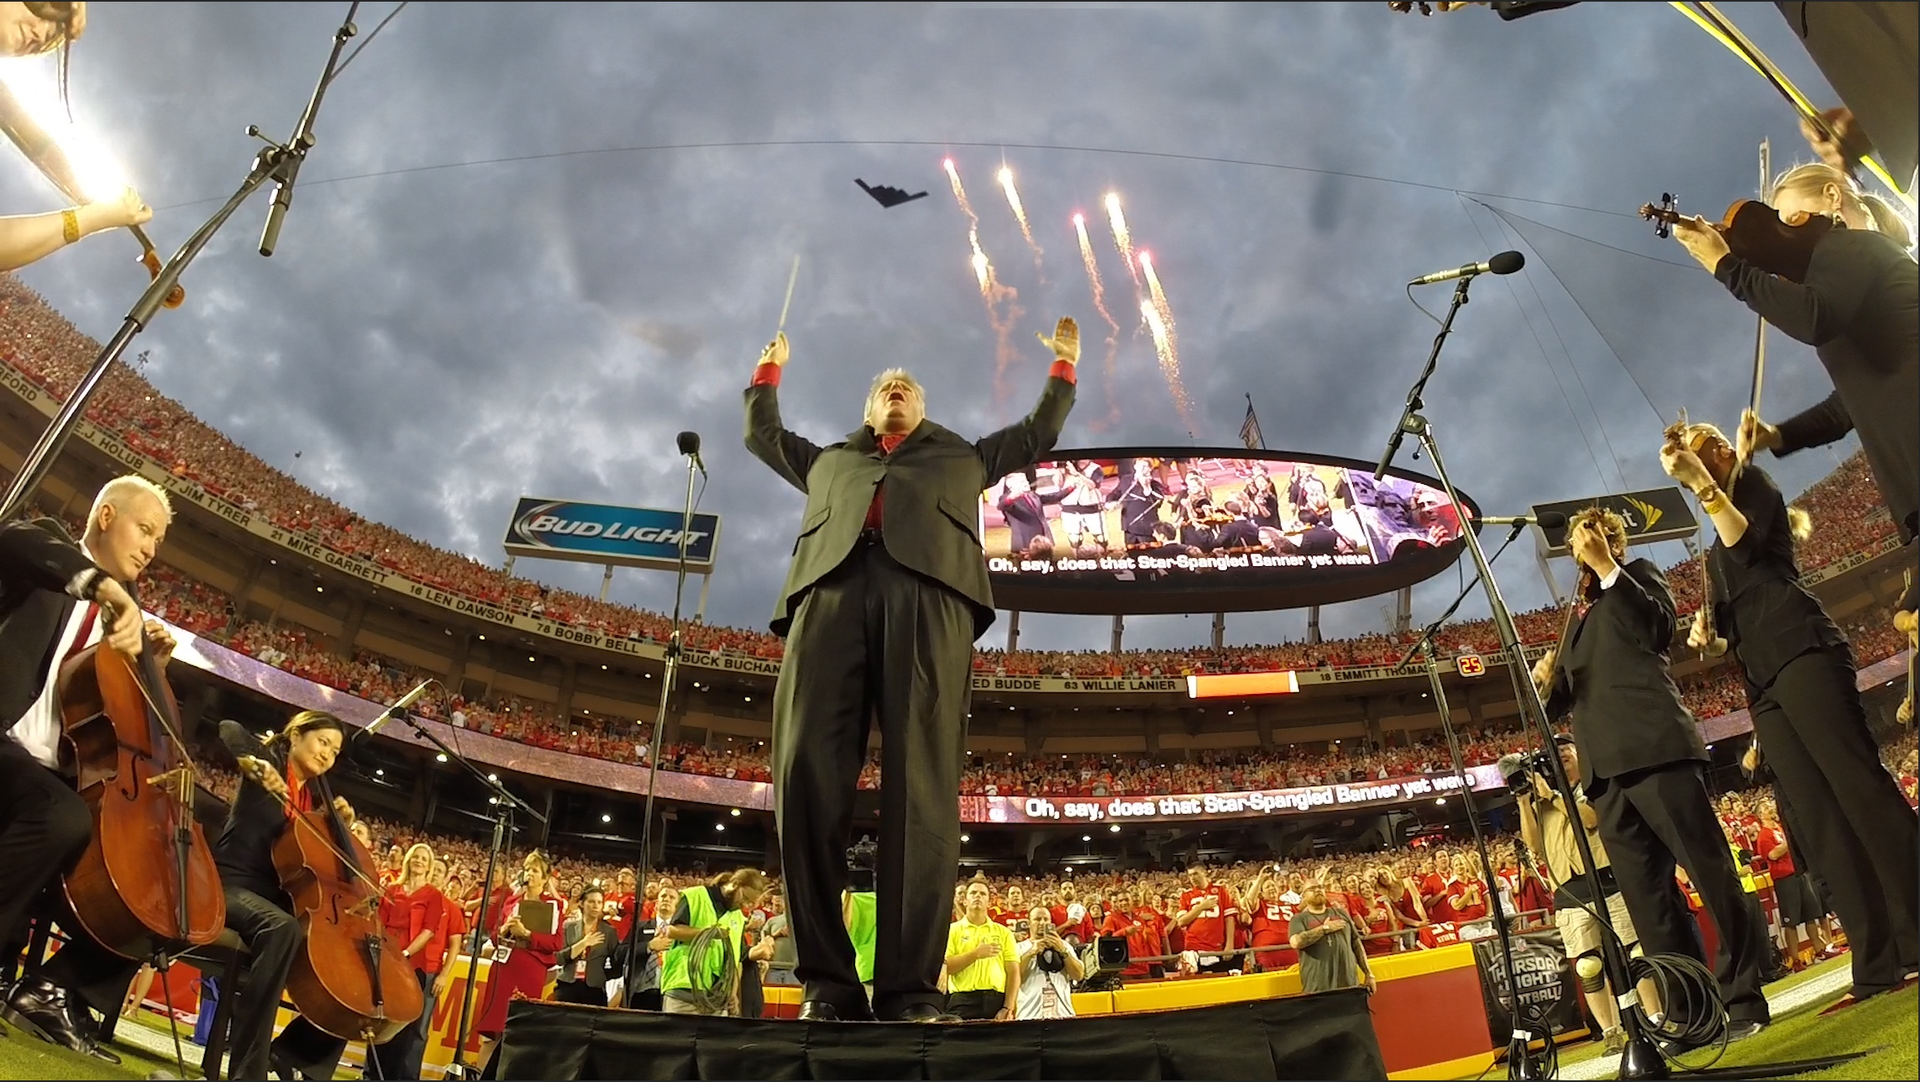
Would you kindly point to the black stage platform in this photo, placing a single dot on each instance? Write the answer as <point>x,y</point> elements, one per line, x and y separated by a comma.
<point>1325,1036</point>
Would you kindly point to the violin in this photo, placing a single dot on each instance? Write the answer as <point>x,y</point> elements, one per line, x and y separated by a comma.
<point>147,880</point>
<point>349,977</point>
<point>1756,233</point>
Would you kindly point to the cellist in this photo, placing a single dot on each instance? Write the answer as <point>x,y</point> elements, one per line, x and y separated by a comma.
<point>56,599</point>
<point>282,776</point>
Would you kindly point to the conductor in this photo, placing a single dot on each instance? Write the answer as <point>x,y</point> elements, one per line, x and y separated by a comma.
<point>887,591</point>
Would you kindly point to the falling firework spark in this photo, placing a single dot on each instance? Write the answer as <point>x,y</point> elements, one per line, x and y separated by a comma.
<point>1122,239</point>
<point>1169,361</point>
<point>1002,301</point>
<point>1019,212</point>
<point>1159,298</point>
<point>1100,305</point>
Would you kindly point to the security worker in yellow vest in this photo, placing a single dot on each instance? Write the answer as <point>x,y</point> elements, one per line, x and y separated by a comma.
<point>701,971</point>
<point>983,972</point>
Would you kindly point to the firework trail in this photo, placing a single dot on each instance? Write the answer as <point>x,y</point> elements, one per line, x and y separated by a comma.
<point>1020,214</point>
<point>1001,300</point>
<point>1159,298</point>
<point>1100,305</point>
<point>1169,361</point>
<point>1122,239</point>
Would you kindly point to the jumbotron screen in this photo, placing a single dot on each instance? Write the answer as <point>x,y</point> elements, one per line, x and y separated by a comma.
<point>1146,530</point>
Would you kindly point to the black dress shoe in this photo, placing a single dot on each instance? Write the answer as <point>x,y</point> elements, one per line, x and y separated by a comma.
<point>1741,1028</point>
<point>924,1012</point>
<point>819,1010</point>
<point>40,1008</point>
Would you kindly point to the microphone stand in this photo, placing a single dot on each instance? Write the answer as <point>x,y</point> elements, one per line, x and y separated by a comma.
<point>1521,1063</point>
<point>1642,1059</point>
<point>504,803</point>
<point>635,962</point>
<point>278,163</point>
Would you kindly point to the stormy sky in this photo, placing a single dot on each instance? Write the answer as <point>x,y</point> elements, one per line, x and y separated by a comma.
<point>535,241</point>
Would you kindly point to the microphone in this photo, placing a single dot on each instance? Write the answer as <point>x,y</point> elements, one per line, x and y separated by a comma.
<point>398,708</point>
<point>689,444</point>
<point>1504,263</point>
<point>1546,520</point>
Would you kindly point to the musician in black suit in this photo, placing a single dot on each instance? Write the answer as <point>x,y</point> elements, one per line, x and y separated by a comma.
<point>1026,514</point>
<point>57,598</point>
<point>1853,824</point>
<point>281,776</point>
<point>1139,497</point>
<point>1858,305</point>
<point>1645,765</point>
<point>887,591</point>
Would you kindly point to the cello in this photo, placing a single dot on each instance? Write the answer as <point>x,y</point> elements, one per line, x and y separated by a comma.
<point>348,978</point>
<point>146,882</point>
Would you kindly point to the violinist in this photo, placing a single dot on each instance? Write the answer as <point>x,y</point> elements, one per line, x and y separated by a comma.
<point>57,598</point>
<point>1645,763</point>
<point>281,777</point>
<point>1858,305</point>
<point>1806,709</point>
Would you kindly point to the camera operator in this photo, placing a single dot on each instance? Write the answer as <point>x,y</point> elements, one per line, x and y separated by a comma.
<point>1048,970</point>
<point>1547,829</point>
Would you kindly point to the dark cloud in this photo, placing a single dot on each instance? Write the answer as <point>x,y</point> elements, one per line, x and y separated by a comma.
<point>439,341</point>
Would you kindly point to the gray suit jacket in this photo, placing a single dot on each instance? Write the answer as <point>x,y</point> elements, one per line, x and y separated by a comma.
<point>930,512</point>
<point>597,957</point>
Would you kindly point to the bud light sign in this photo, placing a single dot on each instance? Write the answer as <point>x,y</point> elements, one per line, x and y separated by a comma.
<point>604,534</point>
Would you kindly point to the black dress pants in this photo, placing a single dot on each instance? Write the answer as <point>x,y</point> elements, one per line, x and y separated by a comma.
<point>44,825</point>
<point>872,640</point>
<point>402,1054</point>
<point>272,936</point>
<point>1853,825</point>
<point>579,992</point>
<point>1652,819</point>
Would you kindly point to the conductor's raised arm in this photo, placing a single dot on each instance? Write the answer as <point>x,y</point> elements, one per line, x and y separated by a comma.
<point>1021,444</point>
<point>790,456</point>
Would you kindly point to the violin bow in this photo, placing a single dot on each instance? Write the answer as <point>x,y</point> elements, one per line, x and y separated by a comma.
<point>40,148</point>
<point>1708,18</point>
<point>1760,331</point>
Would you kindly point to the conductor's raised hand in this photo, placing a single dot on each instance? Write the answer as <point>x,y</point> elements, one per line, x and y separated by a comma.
<point>1065,342</point>
<point>776,352</point>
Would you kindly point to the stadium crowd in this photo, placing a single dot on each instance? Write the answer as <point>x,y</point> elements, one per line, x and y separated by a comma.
<point>47,350</point>
<point>1187,922</point>
<point>207,612</point>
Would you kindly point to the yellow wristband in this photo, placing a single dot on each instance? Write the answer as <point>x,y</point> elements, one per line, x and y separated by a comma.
<point>1715,503</point>
<point>70,225</point>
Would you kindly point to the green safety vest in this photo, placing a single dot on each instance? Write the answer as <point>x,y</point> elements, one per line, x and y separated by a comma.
<point>675,967</point>
<point>863,927</point>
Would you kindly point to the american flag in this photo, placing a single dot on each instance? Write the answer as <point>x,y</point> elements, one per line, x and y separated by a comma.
<point>1250,430</point>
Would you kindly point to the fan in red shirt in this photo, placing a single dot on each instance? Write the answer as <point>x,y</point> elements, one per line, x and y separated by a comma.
<point>1013,910</point>
<point>1467,893</point>
<point>622,898</point>
<point>1270,920</point>
<point>1070,916</point>
<point>1433,887</point>
<point>414,914</point>
<point>1403,896</point>
<point>1207,915</point>
<point>1144,929</point>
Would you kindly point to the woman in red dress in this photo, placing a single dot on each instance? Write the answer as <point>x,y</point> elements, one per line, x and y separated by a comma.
<point>521,956</point>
